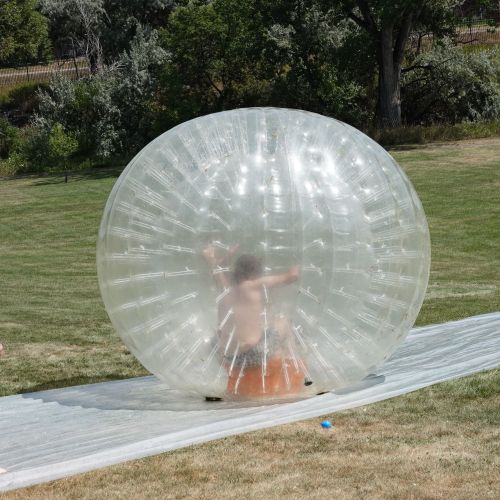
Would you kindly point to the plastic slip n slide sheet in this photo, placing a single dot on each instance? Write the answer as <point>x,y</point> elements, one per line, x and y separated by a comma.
<point>53,434</point>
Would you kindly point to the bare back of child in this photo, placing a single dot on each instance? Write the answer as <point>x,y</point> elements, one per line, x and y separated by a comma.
<point>245,315</point>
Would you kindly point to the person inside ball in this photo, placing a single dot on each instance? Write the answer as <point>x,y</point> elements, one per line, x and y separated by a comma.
<point>252,339</point>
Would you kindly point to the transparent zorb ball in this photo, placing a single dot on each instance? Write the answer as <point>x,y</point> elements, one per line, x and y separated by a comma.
<point>263,253</point>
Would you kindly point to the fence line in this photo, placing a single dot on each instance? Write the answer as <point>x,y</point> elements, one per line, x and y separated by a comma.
<point>73,68</point>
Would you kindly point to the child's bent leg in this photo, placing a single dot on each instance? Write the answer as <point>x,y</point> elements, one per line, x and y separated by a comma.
<point>283,328</point>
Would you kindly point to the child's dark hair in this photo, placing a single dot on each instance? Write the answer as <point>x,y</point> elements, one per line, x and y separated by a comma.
<point>247,267</point>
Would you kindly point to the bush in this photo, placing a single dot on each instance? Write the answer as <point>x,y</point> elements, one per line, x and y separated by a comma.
<point>9,138</point>
<point>15,164</point>
<point>107,113</point>
<point>435,133</point>
<point>22,98</point>
<point>61,145</point>
<point>450,85</point>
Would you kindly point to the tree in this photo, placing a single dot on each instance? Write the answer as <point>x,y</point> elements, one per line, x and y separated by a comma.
<point>228,53</point>
<point>103,29</point>
<point>124,19</point>
<point>450,85</point>
<point>310,51</point>
<point>61,145</point>
<point>389,25</point>
<point>79,21</point>
<point>216,59</point>
<point>24,31</point>
<point>108,113</point>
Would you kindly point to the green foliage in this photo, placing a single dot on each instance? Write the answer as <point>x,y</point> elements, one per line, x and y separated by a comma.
<point>9,138</point>
<point>125,19</point>
<point>389,24</point>
<point>85,109</point>
<point>108,113</point>
<point>13,144</point>
<point>15,164</point>
<point>24,32</point>
<point>22,97</point>
<point>435,133</point>
<point>215,59</point>
<point>80,22</point>
<point>433,15</point>
<point>136,83</point>
<point>103,29</point>
<point>61,145</point>
<point>35,146</point>
<point>227,54</point>
<point>313,49</point>
<point>450,85</point>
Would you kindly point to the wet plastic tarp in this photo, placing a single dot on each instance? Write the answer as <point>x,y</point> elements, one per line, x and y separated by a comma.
<point>53,434</point>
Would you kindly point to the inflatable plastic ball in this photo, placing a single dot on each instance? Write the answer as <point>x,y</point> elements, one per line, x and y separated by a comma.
<point>262,253</point>
<point>326,424</point>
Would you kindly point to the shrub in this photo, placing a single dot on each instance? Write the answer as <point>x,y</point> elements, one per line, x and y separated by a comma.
<point>435,133</point>
<point>15,164</point>
<point>61,145</point>
<point>450,85</point>
<point>106,113</point>
<point>9,138</point>
<point>22,98</point>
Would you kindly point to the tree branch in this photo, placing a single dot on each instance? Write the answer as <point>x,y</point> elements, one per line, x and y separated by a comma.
<point>402,38</point>
<point>417,66</point>
<point>468,41</point>
<point>367,16</point>
<point>426,109</point>
<point>213,84</point>
<point>360,22</point>
<point>426,66</point>
<point>417,80</point>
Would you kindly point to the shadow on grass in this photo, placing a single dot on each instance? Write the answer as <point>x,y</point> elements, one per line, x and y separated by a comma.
<point>42,179</point>
<point>424,145</point>
<point>75,176</point>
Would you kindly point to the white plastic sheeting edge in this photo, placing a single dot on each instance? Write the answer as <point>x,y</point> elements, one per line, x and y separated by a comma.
<point>54,434</point>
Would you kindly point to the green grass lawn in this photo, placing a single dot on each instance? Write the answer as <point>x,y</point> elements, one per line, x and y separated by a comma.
<point>53,323</point>
<point>56,333</point>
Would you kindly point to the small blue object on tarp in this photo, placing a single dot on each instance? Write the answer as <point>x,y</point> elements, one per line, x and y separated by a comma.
<point>326,424</point>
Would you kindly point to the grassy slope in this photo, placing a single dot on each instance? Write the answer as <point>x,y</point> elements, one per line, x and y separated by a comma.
<point>437,442</point>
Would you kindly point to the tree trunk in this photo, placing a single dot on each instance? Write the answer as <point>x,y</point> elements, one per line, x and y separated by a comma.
<point>93,59</point>
<point>389,77</point>
<point>389,97</point>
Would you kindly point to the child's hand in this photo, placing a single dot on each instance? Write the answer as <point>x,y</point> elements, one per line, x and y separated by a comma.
<point>209,255</point>
<point>212,259</point>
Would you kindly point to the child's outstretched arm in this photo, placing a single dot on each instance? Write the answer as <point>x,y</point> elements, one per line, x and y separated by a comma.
<point>213,262</point>
<point>278,280</point>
